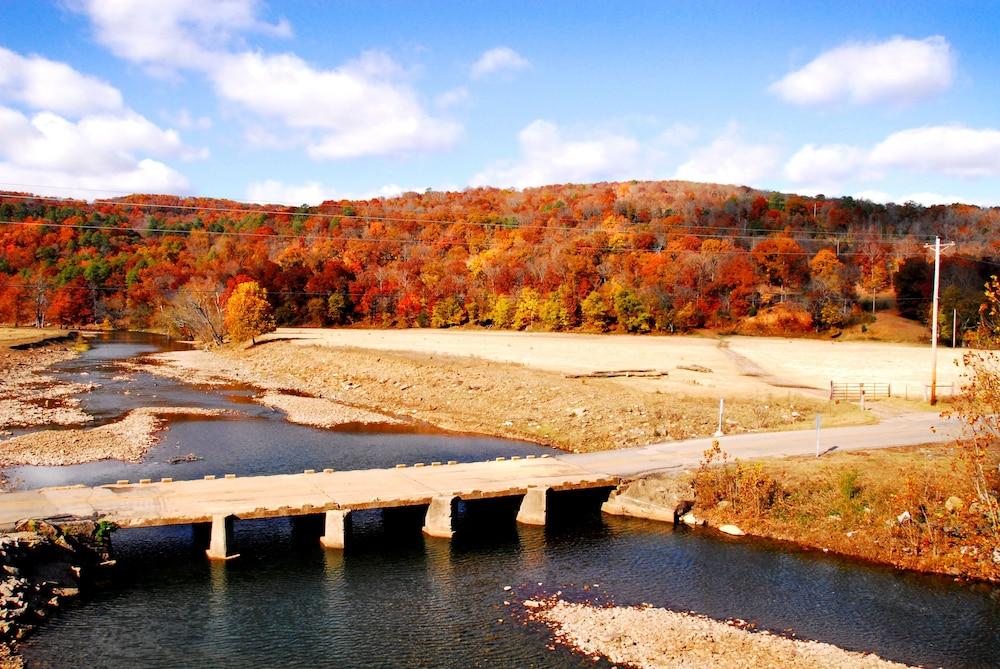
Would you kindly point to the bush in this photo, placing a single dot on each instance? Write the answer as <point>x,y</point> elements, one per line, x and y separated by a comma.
<point>750,491</point>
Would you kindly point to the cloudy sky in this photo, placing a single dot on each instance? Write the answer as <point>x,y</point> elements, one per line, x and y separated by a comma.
<point>305,100</point>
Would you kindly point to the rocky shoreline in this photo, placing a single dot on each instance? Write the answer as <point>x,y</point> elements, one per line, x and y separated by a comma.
<point>29,396</point>
<point>42,566</point>
<point>655,638</point>
<point>128,439</point>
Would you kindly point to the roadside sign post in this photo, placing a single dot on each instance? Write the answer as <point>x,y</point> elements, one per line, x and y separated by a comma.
<point>722,407</point>
<point>818,419</point>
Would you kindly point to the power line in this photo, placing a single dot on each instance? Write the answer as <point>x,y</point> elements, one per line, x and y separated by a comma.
<point>257,209</point>
<point>377,240</point>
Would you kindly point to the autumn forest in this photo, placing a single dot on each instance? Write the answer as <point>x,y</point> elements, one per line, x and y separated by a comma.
<point>625,257</point>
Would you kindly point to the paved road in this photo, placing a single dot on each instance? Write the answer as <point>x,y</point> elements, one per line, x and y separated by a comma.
<point>906,430</point>
<point>163,503</point>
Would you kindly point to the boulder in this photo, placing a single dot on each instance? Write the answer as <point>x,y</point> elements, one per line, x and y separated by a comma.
<point>732,530</point>
<point>690,519</point>
<point>954,504</point>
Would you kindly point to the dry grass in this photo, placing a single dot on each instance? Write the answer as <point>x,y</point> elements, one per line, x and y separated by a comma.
<point>887,505</point>
<point>14,336</point>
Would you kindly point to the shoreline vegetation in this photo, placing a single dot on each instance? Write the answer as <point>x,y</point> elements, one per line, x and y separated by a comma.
<point>910,508</point>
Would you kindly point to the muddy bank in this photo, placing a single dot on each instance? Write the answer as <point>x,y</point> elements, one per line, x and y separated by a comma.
<point>29,396</point>
<point>662,639</point>
<point>127,439</point>
<point>468,394</point>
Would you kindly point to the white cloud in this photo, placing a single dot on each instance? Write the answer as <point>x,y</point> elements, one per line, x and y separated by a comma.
<point>497,60</point>
<point>927,199</point>
<point>955,151</point>
<point>879,196</point>
<point>175,33</point>
<point>897,70</point>
<point>40,83</point>
<point>547,157</point>
<point>729,159</point>
<point>272,191</point>
<point>360,108</point>
<point>48,153</point>
<point>826,164</point>
<point>355,109</point>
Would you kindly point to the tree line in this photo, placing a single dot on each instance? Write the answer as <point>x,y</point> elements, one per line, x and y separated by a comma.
<point>627,257</point>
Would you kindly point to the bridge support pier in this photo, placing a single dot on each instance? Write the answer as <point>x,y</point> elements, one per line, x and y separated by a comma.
<point>336,529</point>
<point>533,506</point>
<point>223,541</point>
<point>440,519</point>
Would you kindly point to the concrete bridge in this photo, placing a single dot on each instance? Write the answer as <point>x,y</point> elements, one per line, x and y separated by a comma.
<point>433,489</point>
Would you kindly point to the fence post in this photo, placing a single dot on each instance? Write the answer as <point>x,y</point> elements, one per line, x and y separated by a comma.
<point>831,390</point>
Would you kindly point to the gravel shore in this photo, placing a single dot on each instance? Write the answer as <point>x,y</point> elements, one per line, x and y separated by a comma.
<point>321,412</point>
<point>29,396</point>
<point>127,439</point>
<point>656,638</point>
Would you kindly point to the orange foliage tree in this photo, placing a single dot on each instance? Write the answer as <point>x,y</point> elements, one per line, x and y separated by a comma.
<point>248,313</point>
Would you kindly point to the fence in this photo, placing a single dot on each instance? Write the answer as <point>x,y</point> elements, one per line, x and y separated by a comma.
<point>852,392</point>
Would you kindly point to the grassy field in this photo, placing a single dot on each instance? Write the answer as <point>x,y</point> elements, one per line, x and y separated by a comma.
<point>15,336</point>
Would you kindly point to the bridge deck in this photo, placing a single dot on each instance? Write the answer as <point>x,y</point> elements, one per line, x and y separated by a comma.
<point>179,502</point>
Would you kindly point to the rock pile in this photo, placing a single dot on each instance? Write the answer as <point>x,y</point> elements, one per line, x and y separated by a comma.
<point>41,566</point>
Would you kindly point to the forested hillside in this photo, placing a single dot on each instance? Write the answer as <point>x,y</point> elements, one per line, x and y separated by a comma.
<point>631,257</point>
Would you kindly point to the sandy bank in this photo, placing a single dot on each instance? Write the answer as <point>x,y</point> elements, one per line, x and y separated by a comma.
<point>127,439</point>
<point>483,396</point>
<point>321,412</point>
<point>659,638</point>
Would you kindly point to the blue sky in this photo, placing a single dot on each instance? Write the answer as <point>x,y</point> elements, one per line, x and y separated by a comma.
<point>305,100</point>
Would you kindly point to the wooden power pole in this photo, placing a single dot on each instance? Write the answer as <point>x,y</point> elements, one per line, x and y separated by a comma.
<point>934,313</point>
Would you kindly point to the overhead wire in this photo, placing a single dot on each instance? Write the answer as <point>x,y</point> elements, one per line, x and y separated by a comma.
<point>292,211</point>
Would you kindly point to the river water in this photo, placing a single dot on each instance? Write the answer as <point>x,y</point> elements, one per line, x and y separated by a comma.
<point>394,598</point>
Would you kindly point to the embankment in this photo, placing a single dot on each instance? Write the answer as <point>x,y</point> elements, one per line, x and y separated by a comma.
<point>43,566</point>
<point>469,394</point>
<point>913,507</point>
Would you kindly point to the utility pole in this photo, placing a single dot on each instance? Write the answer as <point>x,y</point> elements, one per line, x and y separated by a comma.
<point>934,313</point>
<point>954,326</point>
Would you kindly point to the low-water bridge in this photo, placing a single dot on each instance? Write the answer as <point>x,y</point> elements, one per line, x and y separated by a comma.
<point>434,489</point>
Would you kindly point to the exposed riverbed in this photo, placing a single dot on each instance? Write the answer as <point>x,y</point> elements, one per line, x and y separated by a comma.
<point>397,599</point>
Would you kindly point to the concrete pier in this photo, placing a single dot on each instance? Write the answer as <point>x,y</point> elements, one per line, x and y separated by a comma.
<point>222,543</point>
<point>440,519</point>
<point>533,506</point>
<point>336,529</point>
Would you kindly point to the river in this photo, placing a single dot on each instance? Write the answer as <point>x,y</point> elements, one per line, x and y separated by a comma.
<point>394,598</point>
